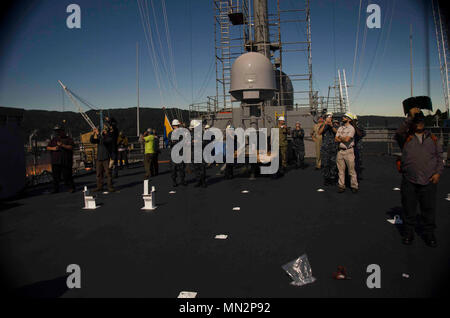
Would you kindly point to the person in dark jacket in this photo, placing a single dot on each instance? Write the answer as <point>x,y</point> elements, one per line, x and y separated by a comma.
<point>421,167</point>
<point>61,147</point>
<point>111,123</point>
<point>104,162</point>
<point>229,166</point>
<point>157,152</point>
<point>198,167</point>
<point>122,147</point>
<point>298,145</point>
<point>360,133</point>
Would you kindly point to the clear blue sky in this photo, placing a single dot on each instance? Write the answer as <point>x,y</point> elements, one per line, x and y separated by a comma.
<point>98,61</point>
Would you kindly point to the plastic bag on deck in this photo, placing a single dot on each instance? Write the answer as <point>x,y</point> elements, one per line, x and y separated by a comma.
<point>300,271</point>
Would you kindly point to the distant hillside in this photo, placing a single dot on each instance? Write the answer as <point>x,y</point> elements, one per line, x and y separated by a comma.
<point>380,121</point>
<point>44,121</point>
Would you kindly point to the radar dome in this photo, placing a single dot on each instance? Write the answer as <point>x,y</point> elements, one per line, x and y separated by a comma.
<point>252,78</point>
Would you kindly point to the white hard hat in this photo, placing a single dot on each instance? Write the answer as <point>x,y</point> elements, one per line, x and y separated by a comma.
<point>229,127</point>
<point>194,123</point>
<point>329,114</point>
<point>349,115</point>
<point>175,122</point>
<point>281,118</point>
<point>207,126</point>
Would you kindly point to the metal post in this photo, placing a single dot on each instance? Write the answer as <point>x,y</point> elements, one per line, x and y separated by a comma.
<point>438,38</point>
<point>346,91</point>
<point>340,90</point>
<point>262,39</point>
<point>137,84</point>
<point>308,34</point>
<point>411,57</point>
<point>446,94</point>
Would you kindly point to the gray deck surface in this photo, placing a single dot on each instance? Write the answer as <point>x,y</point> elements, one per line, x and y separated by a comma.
<point>125,252</point>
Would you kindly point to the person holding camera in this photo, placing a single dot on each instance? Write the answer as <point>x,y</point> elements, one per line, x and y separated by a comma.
<point>104,143</point>
<point>149,153</point>
<point>328,151</point>
<point>317,141</point>
<point>421,166</point>
<point>61,147</point>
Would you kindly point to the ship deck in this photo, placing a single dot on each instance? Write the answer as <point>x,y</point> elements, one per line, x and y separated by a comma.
<point>125,252</point>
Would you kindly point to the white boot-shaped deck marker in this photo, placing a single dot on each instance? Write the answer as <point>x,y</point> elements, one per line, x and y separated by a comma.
<point>89,200</point>
<point>149,198</point>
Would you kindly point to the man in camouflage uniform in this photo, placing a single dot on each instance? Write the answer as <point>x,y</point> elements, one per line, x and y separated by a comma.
<point>328,151</point>
<point>298,134</point>
<point>359,135</point>
<point>283,133</point>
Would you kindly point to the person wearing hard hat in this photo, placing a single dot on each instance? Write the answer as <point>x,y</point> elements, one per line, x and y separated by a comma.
<point>61,148</point>
<point>199,167</point>
<point>298,145</point>
<point>283,143</point>
<point>317,138</point>
<point>177,169</point>
<point>345,137</point>
<point>328,151</point>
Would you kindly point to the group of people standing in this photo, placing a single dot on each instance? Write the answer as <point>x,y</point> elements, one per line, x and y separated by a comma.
<point>112,149</point>
<point>338,148</point>
<point>178,170</point>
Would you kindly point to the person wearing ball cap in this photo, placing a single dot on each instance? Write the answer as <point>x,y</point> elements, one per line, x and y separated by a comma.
<point>421,166</point>
<point>346,156</point>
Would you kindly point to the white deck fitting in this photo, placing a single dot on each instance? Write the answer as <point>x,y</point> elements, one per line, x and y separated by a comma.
<point>149,198</point>
<point>187,294</point>
<point>221,237</point>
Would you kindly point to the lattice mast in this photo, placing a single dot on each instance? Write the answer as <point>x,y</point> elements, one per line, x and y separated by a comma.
<point>443,51</point>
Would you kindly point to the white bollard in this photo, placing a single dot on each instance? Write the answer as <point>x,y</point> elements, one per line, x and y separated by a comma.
<point>149,199</point>
<point>146,187</point>
<point>89,200</point>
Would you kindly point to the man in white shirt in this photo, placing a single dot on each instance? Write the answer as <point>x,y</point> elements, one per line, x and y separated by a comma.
<point>346,156</point>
